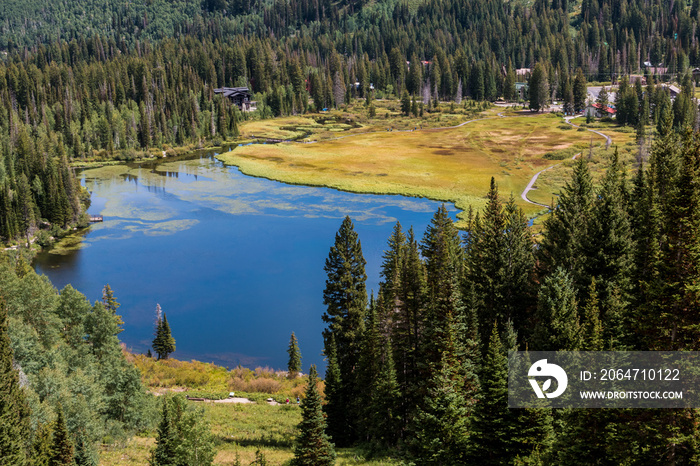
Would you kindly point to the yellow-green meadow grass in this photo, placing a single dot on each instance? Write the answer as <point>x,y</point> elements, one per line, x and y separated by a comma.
<point>623,139</point>
<point>453,165</point>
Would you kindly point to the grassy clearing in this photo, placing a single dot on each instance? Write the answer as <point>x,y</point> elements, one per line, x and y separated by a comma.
<point>238,429</point>
<point>453,165</point>
<point>623,138</point>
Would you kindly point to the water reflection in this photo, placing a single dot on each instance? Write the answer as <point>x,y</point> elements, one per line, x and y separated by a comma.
<point>236,262</point>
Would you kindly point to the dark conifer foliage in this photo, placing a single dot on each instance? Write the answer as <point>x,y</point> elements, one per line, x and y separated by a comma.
<point>294,364</point>
<point>163,343</point>
<point>14,411</point>
<point>62,445</point>
<point>566,229</point>
<point>345,296</point>
<point>166,439</point>
<point>500,263</point>
<point>312,447</point>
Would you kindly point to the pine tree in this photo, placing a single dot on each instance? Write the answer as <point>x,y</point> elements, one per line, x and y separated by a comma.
<point>603,101</point>
<point>405,103</point>
<point>390,273</point>
<point>166,440</point>
<point>538,88</point>
<point>345,296</point>
<point>492,428</point>
<point>294,364</point>
<point>168,341</point>
<point>443,253</point>
<point>409,326</point>
<point>580,91</point>
<point>385,414</point>
<point>557,325</point>
<point>110,303</point>
<point>566,229</point>
<point>312,447</point>
<point>41,445</point>
<point>608,244</point>
<point>14,410</point>
<point>591,327</point>
<point>61,446</point>
<point>500,259</point>
<point>335,408</point>
<point>367,372</point>
<point>163,343</point>
<point>441,426</point>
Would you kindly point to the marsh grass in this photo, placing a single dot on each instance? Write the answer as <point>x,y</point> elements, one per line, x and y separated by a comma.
<point>453,165</point>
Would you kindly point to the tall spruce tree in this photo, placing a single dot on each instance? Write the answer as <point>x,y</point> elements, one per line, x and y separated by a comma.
<point>312,447</point>
<point>608,244</point>
<point>14,410</point>
<point>443,253</point>
<point>345,296</point>
<point>500,262</point>
<point>580,91</point>
<point>61,445</point>
<point>110,303</point>
<point>335,410</point>
<point>557,326</point>
<point>565,231</point>
<point>390,274</point>
<point>385,413</point>
<point>408,327</point>
<point>493,429</point>
<point>166,439</point>
<point>538,88</point>
<point>367,372</point>
<point>294,364</point>
<point>163,343</point>
<point>440,429</point>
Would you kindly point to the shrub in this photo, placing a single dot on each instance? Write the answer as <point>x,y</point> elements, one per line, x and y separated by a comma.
<point>44,238</point>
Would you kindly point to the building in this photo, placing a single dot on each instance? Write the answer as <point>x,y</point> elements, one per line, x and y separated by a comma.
<point>523,74</point>
<point>239,96</point>
<point>595,111</point>
<point>638,77</point>
<point>674,91</point>
<point>521,91</point>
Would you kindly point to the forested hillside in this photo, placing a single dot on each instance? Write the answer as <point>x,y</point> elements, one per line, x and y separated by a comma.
<point>78,388</point>
<point>112,80</point>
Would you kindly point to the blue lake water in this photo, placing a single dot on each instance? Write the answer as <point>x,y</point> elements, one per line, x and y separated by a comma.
<point>235,262</point>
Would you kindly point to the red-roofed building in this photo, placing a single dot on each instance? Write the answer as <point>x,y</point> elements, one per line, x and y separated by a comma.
<point>596,111</point>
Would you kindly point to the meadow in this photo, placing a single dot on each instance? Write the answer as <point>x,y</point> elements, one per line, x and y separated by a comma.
<point>239,430</point>
<point>598,156</point>
<point>445,164</point>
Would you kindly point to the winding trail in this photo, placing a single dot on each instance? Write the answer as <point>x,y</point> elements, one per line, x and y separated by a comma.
<point>531,184</point>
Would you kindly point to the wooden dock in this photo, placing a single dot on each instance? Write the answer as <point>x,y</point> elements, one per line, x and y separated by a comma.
<point>96,218</point>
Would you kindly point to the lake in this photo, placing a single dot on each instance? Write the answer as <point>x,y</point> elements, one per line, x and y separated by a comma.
<point>235,262</point>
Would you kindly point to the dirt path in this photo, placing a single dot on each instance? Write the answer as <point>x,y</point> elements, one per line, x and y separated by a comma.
<point>531,184</point>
